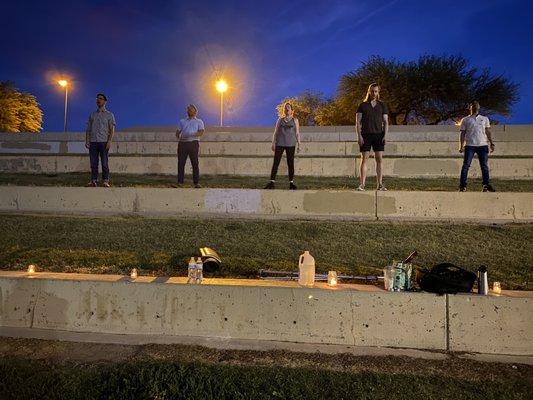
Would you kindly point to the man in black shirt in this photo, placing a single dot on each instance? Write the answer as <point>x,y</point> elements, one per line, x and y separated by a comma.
<point>372,124</point>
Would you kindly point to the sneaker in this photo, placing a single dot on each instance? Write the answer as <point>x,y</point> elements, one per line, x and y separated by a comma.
<point>382,188</point>
<point>176,185</point>
<point>462,189</point>
<point>488,188</point>
<point>91,184</point>
<point>361,188</point>
<point>292,186</point>
<point>106,184</point>
<point>197,186</point>
<point>270,185</point>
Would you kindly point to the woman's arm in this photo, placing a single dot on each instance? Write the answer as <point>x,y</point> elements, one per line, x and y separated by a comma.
<point>297,123</point>
<point>274,135</point>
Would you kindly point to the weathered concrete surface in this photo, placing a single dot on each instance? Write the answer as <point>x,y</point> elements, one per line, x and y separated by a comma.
<point>167,201</point>
<point>218,308</point>
<point>434,205</point>
<point>431,205</point>
<point>489,324</point>
<point>260,166</point>
<point>232,148</point>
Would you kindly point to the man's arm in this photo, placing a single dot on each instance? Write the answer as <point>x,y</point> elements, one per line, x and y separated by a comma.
<point>201,129</point>
<point>489,136</point>
<point>111,132</point>
<point>385,126</point>
<point>88,133</point>
<point>358,117</point>
<point>462,141</point>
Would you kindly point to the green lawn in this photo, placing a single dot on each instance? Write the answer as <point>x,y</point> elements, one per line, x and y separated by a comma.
<point>33,369</point>
<point>251,182</point>
<point>162,246</point>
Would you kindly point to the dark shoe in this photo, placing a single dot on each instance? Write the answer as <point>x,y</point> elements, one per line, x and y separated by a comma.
<point>176,185</point>
<point>462,189</point>
<point>382,188</point>
<point>197,186</point>
<point>270,185</point>
<point>91,184</point>
<point>292,186</point>
<point>488,188</point>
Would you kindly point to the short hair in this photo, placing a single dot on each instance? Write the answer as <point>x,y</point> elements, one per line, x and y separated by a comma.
<point>474,103</point>
<point>103,95</point>
<point>193,106</point>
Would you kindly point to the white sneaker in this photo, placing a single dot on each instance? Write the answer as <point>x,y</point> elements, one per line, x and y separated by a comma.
<point>382,188</point>
<point>361,188</point>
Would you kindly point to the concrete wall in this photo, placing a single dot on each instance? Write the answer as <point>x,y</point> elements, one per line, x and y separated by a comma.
<point>260,166</point>
<point>338,148</point>
<point>257,310</point>
<point>289,204</point>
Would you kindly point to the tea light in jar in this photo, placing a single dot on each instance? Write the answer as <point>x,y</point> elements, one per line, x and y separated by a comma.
<point>332,278</point>
<point>496,288</point>
<point>31,269</point>
<point>134,273</point>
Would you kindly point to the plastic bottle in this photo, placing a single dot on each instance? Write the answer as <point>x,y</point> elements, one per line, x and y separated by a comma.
<point>191,273</point>
<point>199,270</point>
<point>306,267</point>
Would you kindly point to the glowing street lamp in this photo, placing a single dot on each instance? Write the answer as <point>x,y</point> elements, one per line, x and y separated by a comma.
<point>64,83</point>
<point>221,86</point>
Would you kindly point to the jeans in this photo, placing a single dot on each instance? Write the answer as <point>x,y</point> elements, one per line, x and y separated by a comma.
<point>483,156</point>
<point>277,159</point>
<point>188,149</point>
<point>96,150</point>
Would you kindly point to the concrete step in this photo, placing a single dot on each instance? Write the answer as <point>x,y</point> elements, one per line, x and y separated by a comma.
<point>272,311</point>
<point>349,148</point>
<point>512,168</point>
<point>351,204</point>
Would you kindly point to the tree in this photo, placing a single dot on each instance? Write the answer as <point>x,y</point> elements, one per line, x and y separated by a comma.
<point>19,111</point>
<point>305,106</point>
<point>431,90</point>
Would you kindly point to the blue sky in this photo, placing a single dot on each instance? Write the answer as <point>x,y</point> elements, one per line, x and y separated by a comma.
<point>153,58</point>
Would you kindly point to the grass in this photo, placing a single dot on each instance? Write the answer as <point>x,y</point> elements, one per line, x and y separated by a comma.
<point>255,182</point>
<point>33,369</point>
<point>163,246</point>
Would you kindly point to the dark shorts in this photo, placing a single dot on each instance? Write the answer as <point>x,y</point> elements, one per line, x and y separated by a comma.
<point>372,140</point>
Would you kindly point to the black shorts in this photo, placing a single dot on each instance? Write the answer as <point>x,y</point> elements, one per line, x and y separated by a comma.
<point>372,140</point>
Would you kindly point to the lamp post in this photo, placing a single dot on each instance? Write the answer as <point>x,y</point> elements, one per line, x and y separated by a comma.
<point>63,83</point>
<point>221,86</point>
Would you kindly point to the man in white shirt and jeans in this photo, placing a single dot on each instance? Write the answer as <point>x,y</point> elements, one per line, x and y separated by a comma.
<point>476,138</point>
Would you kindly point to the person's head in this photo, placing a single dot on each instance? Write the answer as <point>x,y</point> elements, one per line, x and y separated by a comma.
<point>101,99</point>
<point>287,109</point>
<point>474,107</point>
<point>192,111</point>
<point>373,92</point>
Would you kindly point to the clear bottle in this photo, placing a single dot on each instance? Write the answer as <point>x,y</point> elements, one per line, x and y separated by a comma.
<point>199,270</point>
<point>191,272</point>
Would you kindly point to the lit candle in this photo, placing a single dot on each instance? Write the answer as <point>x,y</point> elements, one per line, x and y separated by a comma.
<point>134,273</point>
<point>332,278</point>
<point>496,288</point>
<point>31,269</point>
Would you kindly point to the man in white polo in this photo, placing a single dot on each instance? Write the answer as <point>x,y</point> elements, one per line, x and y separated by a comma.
<point>189,131</point>
<point>476,138</point>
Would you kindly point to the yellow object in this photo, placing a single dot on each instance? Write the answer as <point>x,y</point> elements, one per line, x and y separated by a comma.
<point>62,82</point>
<point>134,273</point>
<point>31,269</point>
<point>332,278</point>
<point>221,86</point>
<point>496,288</point>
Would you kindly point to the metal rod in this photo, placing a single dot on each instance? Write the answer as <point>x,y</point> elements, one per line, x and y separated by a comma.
<point>66,102</point>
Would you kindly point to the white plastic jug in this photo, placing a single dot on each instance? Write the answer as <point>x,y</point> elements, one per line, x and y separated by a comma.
<point>306,265</point>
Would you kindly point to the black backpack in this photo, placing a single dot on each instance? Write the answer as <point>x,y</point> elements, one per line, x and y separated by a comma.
<point>446,278</point>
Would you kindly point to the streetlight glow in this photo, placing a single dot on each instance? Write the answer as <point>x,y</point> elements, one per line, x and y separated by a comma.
<point>221,86</point>
<point>62,83</point>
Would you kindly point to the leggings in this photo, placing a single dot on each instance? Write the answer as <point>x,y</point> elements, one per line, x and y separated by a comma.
<point>289,151</point>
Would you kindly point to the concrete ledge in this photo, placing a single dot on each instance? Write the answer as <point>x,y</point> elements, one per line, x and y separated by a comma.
<point>503,207</point>
<point>223,309</point>
<point>489,324</point>
<point>455,206</point>
<point>332,149</point>
<point>511,168</point>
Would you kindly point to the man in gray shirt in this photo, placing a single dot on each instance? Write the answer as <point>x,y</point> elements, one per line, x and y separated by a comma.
<point>189,132</point>
<point>98,137</point>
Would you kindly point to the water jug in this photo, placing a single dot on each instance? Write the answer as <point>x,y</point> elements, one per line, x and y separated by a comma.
<point>306,266</point>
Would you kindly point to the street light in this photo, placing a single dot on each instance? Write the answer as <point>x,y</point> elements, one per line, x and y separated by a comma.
<point>64,83</point>
<point>221,86</point>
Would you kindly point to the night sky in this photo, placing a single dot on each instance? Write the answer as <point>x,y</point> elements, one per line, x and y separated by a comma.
<point>151,58</point>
